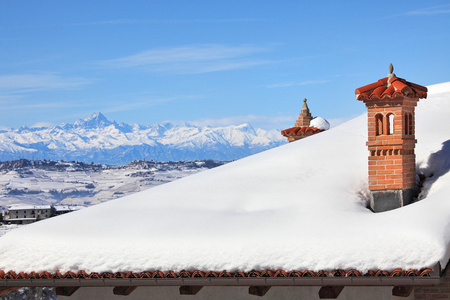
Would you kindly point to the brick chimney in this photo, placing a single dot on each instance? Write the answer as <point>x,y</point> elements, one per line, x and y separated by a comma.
<point>302,126</point>
<point>390,103</point>
<point>304,118</point>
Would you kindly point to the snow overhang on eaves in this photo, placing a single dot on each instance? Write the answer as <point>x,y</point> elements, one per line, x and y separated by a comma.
<point>398,277</point>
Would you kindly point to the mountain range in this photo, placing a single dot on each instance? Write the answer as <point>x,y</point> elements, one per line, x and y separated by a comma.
<point>96,139</point>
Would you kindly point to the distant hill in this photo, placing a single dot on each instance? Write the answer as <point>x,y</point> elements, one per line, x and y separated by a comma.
<point>39,182</point>
<point>96,139</point>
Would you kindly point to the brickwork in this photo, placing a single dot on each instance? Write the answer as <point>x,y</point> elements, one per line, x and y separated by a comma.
<point>390,103</point>
<point>391,143</point>
<point>440,291</point>
<point>304,118</point>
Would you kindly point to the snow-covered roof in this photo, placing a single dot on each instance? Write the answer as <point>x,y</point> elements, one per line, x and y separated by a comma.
<point>20,219</point>
<point>28,207</point>
<point>296,207</point>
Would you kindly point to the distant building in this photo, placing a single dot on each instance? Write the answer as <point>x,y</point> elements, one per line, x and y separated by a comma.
<point>63,209</point>
<point>24,214</point>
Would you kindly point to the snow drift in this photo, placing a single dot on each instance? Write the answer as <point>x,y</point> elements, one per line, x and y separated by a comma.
<point>297,206</point>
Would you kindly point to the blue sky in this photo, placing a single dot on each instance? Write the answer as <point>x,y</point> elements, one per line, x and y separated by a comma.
<point>210,62</point>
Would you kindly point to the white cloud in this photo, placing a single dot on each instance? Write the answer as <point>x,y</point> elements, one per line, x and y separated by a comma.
<point>269,122</point>
<point>289,84</point>
<point>435,10</point>
<point>259,121</point>
<point>42,124</point>
<point>5,99</point>
<point>45,105</point>
<point>39,81</point>
<point>192,59</point>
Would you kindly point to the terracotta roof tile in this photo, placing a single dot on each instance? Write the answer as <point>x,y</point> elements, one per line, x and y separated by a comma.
<point>198,273</point>
<point>295,274</point>
<point>96,275</point>
<point>293,131</point>
<point>146,275</point>
<point>158,274</point>
<point>412,273</point>
<point>398,272</point>
<point>211,274</point>
<point>280,273</point>
<point>353,273</point>
<point>239,274</point>
<point>170,274</point>
<point>426,272</point>
<point>321,274</point>
<point>381,273</point>
<point>224,274</point>
<point>390,88</point>
<point>338,273</point>
<point>184,274</point>
<point>254,273</point>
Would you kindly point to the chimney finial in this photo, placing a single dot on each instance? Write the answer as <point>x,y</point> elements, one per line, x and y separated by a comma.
<point>390,75</point>
<point>305,106</point>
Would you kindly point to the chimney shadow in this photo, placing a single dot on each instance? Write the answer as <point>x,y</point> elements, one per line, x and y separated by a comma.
<point>438,164</point>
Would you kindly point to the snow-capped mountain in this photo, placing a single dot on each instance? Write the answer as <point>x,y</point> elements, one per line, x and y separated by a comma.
<point>96,139</point>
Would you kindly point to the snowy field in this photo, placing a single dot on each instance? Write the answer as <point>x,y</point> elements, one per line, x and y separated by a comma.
<point>71,183</point>
<point>6,228</point>
<point>298,206</point>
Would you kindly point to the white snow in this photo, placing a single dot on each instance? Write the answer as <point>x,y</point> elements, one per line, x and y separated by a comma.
<point>72,184</point>
<point>319,123</point>
<point>62,208</point>
<point>297,206</point>
<point>24,207</point>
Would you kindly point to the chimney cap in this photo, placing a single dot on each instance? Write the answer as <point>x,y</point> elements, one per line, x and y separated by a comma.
<point>391,74</point>
<point>305,106</point>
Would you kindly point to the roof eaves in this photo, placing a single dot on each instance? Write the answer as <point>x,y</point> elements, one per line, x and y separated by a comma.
<point>280,277</point>
<point>226,281</point>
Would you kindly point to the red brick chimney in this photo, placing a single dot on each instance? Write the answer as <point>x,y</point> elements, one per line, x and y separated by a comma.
<point>304,118</point>
<point>302,126</point>
<point>391,141</point>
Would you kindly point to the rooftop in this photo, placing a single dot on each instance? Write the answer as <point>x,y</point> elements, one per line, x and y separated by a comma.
<point>28,207</point>
<point>294,209</point>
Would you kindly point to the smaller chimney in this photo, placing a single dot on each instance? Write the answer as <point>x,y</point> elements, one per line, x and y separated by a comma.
<point>304,118</point>
<point>302,126</point>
